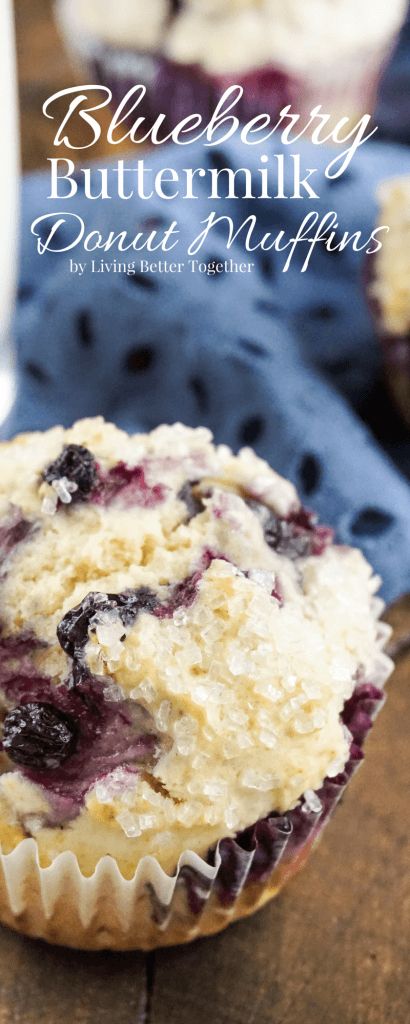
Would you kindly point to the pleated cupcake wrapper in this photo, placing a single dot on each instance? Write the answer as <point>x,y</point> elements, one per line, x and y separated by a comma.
<point>201,889</point>
<point>250,858</point>
<point>345,88</point>
<point>21,873</point>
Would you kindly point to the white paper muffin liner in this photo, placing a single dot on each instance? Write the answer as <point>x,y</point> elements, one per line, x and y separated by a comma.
<point>59,904</point>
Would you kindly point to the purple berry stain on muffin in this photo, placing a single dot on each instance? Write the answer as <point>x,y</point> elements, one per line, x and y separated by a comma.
<point>65,738</point>
<point>72,631</point>
<point>192,500</point>
<point>14,529</point>
<point>182,595</point>
<point>277,593</point>
<point>298,535</point>
<point>129,484</point>
<point>76,476</point>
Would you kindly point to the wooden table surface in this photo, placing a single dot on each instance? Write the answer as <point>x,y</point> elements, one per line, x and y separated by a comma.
<point>333,948</point>
<point>43,69</point>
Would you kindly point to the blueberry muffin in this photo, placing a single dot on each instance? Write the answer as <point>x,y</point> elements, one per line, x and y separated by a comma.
<point>189,668</point>
<point>188,52</point>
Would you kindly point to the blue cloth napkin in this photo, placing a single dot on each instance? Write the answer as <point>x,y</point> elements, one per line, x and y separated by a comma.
<point>287,363</point>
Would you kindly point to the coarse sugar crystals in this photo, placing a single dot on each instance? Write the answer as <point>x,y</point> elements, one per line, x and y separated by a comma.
<point>114,785</point>
<point>64,489</point>
<point>163,715</point>
<point>185,731</point>
<point>263,781</point>
<point>312,803</point>
<point>130,824</point>
<point>144,691</point>
<point>113,694</point>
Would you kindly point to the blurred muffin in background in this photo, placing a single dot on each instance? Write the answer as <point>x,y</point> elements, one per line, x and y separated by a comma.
<point>390,290</point>
<point>118,40</point>
<point>187,52</point>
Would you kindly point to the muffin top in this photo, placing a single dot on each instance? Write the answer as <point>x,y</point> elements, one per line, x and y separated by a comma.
<point>390,286</point>
<point>237,35</point>
<point>121,23</point>
<point>179,637</point>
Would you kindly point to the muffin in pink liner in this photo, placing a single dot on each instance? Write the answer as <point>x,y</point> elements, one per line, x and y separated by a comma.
<point>303,52</point>
<point>389,290</point>
<point>189,667</point>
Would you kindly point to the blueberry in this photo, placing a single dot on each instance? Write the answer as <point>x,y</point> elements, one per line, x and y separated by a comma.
<point>72,631</point>
<point>298,535</point>
<point>129,483</point>
<point>182,596</point>
<point>193,503</point>
<point>131,602</point>
<point>13,530</point>
<point>281,536</point>
<point>78,465</point>
<point>39,735</point>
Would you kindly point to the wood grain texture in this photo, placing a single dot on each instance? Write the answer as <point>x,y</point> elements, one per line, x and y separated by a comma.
<point>40,984</point>
<point>43,69</point>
